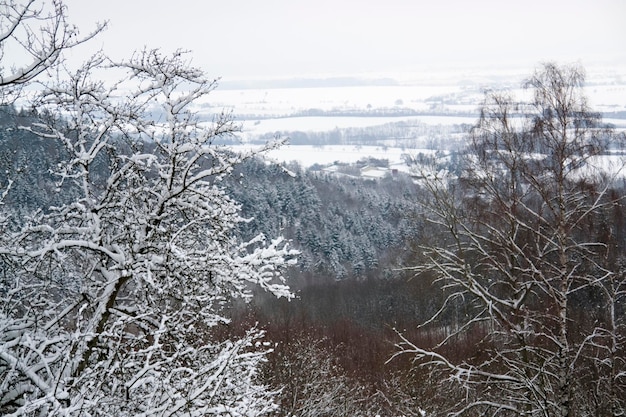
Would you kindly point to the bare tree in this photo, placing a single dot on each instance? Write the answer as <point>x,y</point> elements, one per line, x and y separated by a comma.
<point>521,254</point>
<point>112,306</point>
<point>33,34</point>
<point>312,383</point>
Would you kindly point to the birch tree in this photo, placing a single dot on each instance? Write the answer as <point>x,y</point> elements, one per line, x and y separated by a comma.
<point>522,252</point>
<point>113,297</point>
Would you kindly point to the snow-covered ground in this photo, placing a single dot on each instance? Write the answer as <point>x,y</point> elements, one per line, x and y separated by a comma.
<point>447,102</point>
<point>284,101</point>
<point>606,89</point>
<point>435,100</point>
<point>307,155</point>
<point>324,124</point>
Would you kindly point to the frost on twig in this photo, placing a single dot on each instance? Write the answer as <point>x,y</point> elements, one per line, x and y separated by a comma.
<point>33,35</point>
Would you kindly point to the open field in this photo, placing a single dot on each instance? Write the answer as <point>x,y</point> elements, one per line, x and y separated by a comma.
<point>435,103</point>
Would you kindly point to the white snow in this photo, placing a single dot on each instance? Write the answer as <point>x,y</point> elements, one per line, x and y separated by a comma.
<point>307,155</point>
<point>255,127</point>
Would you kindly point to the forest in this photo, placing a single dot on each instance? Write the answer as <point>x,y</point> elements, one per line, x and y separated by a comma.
<point>147,269</point>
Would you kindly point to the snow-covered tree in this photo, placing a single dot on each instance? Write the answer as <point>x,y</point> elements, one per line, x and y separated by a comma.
<point>112,299</point>
<point>524,246</point>
<point>33,35</point>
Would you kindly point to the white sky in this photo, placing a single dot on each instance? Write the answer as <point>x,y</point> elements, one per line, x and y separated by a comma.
<point>276,38</point>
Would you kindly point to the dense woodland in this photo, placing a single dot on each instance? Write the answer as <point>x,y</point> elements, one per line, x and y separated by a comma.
<point>355,238</point>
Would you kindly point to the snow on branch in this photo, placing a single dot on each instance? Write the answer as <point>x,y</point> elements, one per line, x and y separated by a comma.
<point>130,273</point>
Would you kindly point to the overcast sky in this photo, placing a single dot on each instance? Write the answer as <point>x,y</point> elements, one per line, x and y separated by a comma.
<point>277,38</point>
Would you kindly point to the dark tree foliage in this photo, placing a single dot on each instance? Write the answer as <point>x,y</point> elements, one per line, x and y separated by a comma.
<point>344,227</point>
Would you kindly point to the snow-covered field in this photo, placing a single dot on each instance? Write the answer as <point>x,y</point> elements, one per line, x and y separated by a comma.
<point>606,90</point>
<point>324,124</point>
<point>284,101</point>
<point>307,155</point>
<point>431,101</point>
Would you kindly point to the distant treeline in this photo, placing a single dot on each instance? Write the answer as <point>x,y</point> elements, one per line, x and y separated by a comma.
<point>359,112</point>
